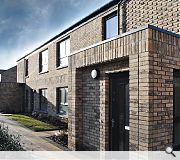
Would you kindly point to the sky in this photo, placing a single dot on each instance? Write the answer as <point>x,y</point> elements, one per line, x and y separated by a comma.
<point>26,24</point>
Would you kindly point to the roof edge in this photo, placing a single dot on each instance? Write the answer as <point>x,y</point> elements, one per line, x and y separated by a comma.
<point>91,15</point>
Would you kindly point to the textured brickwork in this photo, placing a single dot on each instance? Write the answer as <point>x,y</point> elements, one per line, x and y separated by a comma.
<point>9,75</point>
<point>90,33</point>
<point>11,97</point>
<point>95,105</point>
<point>165,55</point>
<point>161,13</point>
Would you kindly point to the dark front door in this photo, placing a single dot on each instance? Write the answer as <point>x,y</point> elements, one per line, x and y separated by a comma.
<point>119,112</point>
<point>176,139</point>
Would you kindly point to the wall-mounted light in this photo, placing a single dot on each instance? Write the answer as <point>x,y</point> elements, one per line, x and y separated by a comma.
<point>94,73</point>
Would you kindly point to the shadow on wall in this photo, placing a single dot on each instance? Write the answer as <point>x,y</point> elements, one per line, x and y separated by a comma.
<point>37,101</point>
<point>11,97</point>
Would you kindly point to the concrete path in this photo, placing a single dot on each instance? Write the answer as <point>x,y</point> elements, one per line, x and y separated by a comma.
<point>30,140</point>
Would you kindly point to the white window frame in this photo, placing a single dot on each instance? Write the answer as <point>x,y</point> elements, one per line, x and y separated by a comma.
<point>44,61</point>
<point>109,18</point>
<point>59,101</point>
<point>63,52</point>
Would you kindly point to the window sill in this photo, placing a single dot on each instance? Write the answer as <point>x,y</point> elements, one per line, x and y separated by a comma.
<point>43,72</point>
<point>26,77</point>
<point>61,67</point>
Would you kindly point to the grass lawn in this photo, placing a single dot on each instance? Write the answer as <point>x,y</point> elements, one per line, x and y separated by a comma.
<point>32,123</point>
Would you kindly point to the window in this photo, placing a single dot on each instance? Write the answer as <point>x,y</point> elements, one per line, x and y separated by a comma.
<point>111,25</point>
<point>43,99</point>
<point>26,67</point>
<point>63,51</point>
<point>62,101</point>
<point>43,64</point>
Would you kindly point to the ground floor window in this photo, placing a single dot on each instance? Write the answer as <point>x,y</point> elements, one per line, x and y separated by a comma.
<point>62,101</point>
<point>43,99</point>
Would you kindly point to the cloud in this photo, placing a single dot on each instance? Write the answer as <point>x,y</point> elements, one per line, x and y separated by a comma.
<point>26,24</point>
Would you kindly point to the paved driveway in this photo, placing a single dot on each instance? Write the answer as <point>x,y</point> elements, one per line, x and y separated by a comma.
<point>30,140</point>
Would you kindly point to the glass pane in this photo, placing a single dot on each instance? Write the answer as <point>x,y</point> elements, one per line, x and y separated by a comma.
<point>62,49</point>
<point>44,67</point>
<point>44,61</point>
<point>64,61</point>
<point>112,27</point>
<point>66,100</point>
<point>67,47</point>
<point>45,57</point>
<point>62,95</point>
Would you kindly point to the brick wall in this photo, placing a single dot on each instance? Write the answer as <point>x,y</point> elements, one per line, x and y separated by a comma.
<point>94,99</point>
<point>9,75</point>
<point>90,33</point>
<point>11,97</point>
<point>165,57</point>
<point>161,13</point>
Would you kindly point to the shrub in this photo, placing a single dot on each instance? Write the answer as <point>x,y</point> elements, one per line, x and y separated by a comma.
<point>60,122</point>
<point>9,142</point>
<point>60,138</point>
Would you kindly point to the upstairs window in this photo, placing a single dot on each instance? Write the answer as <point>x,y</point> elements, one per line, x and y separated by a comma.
<point>26,67</point>
<point>111,25</point>
<point>62,101</point>
<point>43,61</point>
<point>43,100</point>
<point>63,51</point>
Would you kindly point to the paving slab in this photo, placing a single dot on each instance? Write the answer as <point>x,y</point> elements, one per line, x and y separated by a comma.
<point>30,140</point>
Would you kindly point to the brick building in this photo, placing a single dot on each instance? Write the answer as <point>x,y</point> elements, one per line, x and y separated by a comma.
<point>114,74</point>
